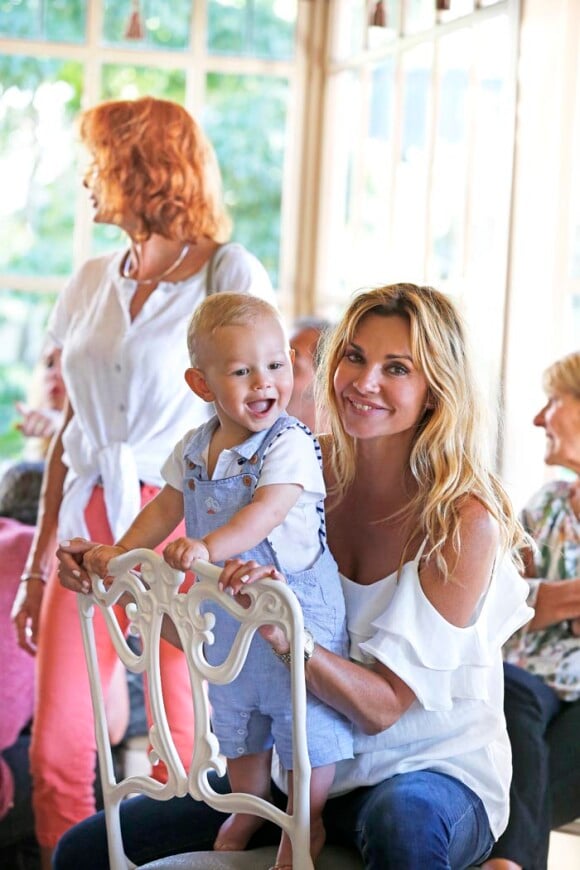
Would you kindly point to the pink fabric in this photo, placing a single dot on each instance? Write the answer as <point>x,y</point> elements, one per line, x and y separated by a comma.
<point>63,750</point>
<point>17,674</point>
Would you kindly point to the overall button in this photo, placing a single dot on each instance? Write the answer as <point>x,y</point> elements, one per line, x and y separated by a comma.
<point>247,480</point>
<point>191,484</point>
<point>254,459</point>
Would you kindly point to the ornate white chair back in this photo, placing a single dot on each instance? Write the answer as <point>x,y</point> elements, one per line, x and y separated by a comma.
<point>152,587</point>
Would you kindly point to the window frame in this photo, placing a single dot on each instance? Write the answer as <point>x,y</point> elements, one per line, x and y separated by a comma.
<point>196,63</point>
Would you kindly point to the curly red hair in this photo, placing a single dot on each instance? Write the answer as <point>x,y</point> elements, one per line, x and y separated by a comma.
<point>151,159</point>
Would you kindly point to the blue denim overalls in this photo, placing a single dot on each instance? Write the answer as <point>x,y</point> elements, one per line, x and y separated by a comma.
<point>253,711</point>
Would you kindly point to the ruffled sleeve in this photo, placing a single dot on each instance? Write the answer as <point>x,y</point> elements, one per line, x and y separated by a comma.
<point>439,661</point>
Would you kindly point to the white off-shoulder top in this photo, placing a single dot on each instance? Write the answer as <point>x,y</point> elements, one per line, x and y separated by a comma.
<point>456,725</point>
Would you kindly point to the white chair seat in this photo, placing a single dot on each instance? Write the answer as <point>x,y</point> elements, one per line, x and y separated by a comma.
<point>256,859</point>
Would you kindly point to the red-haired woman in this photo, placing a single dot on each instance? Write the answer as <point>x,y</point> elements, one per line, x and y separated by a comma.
<point>121,324</point>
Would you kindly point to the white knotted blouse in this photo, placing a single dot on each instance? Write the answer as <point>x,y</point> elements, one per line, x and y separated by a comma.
<point>125,378</point>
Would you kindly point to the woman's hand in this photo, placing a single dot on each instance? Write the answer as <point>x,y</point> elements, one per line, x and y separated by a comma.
<point>26,613</point>
<point>96,560</point>
<point>235,576</point>
<point>72,574</point>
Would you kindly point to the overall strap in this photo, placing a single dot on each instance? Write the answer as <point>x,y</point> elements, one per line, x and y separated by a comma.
<point>287,422</point>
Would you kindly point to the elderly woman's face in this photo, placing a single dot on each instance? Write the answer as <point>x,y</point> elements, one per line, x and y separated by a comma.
<point>560,418</point>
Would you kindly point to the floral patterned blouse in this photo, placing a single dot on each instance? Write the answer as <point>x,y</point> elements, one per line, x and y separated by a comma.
<point>552,653</point>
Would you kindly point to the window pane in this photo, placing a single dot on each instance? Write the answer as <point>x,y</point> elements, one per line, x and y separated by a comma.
<point>126,83</point>
<point>165,25</point>
<point>490,173</point>
<point>38,99</point>
<point>350,21</point>
<point>260,28</point>
<point>448,195</point>
<point>245,117</point>
<point>121,82</point>
<point>419,15</point>
<point>575,303</point>
<point>413,165</point>
<point>377,35</point>
<point>457,9</point>
<point>489,193</point>
<point>55,20</point>
<point>574,241</point>
<point>22,324</point>
<point>377,163</point>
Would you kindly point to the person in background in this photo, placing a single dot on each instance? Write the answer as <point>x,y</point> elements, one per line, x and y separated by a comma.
<point>42,415</point>
<point>19,494</point>
<point>304,341</point>
<point>542,669</point>
<point>120,323</point>
<point>423,534</point>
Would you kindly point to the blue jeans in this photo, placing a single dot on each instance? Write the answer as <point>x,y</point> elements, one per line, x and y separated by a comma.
<point>416,821</point>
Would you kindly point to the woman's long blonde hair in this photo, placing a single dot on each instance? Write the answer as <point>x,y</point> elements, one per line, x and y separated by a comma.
<point>447,459</point>
<point>150,158</point>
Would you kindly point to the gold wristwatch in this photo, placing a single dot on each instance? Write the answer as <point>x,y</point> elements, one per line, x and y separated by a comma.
<point>309,644</point>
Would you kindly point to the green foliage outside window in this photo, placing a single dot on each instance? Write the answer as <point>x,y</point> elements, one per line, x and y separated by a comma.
<point>53,20</point>
<point>22,329</point>
<point>40,161</point>
<point>251,156</point>
<point>258,28</point>
<point>39,99</point>
<point>165,25</point>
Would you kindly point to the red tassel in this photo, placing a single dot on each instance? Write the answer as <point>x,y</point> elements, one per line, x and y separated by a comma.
<point>135,28</point>
<point>379,16</point>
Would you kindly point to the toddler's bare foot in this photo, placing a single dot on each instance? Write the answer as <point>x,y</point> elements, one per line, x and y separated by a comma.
<point>234,834</point>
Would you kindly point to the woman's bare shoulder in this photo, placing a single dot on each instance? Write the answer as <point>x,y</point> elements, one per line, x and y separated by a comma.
<point>476,523</point>
<point>469,570</point>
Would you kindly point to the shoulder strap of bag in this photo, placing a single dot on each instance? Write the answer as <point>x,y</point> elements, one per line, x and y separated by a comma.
<point>212,266</point>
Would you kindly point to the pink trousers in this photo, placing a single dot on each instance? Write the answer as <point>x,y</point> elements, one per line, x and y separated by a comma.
<point>63,748</point>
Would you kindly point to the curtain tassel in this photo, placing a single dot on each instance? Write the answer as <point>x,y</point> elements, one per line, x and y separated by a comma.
<point>135,28</point>
<point>379,15</point>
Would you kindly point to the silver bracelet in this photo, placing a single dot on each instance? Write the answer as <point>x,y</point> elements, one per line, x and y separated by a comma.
<point>33,575</point>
